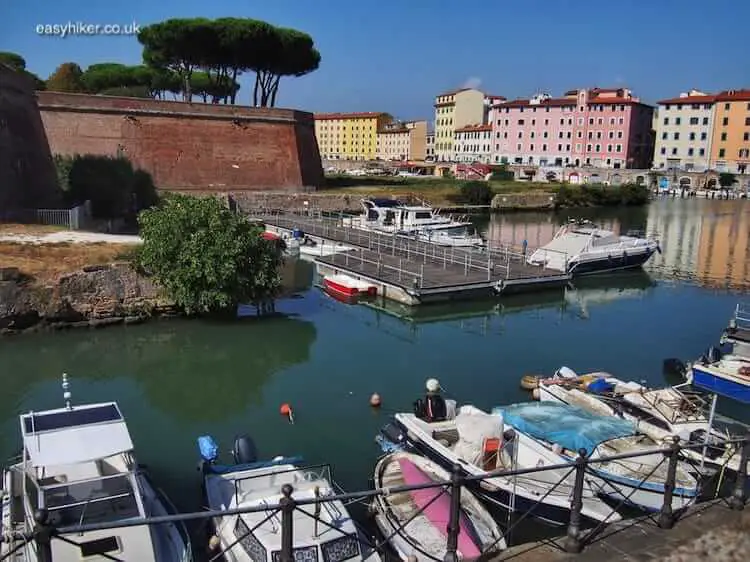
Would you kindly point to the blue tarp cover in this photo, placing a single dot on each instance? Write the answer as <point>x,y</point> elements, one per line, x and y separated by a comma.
<point>571,427</point>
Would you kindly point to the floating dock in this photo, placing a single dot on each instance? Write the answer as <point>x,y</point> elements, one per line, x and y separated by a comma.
<point>415,272</point>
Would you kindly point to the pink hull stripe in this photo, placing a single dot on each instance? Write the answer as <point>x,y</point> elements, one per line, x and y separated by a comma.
<point>438,512</point>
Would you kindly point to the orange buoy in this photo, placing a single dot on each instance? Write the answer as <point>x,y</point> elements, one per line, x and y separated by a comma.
<point>375,400</point>
<point>286,410</point>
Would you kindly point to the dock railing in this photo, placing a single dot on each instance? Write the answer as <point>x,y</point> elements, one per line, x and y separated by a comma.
<point>490,261</point>
<point>577,537</point>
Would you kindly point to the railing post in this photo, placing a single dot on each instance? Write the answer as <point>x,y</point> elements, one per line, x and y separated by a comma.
<point>737,500</point>
<point>453,522</point>
<point>421,276</point>
<point>573,543</point>
<point>287,515</point>
<point>43,535</point>
<point>666,515</point>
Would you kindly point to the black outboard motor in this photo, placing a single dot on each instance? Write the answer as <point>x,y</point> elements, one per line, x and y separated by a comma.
<point>713,354</point>
<point>244,450</point>
<point>674,367</point>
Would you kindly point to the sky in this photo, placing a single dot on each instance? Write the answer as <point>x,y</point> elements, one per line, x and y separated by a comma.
<point>395,56</point>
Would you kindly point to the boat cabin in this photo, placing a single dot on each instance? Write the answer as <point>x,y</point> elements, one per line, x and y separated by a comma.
<point>78,465</point>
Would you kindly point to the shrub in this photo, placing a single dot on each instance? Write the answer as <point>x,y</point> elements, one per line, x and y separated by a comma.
<point>476,193</point>
<point>208,258</point>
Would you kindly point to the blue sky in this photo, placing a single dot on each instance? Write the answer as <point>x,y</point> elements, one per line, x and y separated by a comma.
<point>396,55</point>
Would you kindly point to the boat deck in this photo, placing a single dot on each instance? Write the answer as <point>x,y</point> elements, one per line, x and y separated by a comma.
<point>422,269</point>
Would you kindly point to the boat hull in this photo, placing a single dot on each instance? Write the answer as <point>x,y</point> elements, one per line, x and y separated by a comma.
<point>343,289</point>
<point>606,264</point>
<point>499,500</point>
<point>720,385</point>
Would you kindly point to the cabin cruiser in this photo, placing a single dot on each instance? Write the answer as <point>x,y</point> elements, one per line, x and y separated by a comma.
<point>659,413</point>
<point>564,430</point>
<point>581,248</point>
<point>322,530</point>
<point>423,223</point>
<point>77,467</point>
<point>415,522</point>
<point>481,445</point>
<point>728,375</point>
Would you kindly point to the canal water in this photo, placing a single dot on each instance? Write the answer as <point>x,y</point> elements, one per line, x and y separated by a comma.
<point>176,380</point>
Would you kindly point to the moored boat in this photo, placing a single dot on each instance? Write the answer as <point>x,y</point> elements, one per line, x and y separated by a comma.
<point>565,430</point>
<point>581,248</point>
<point>322,530</point>
<point>416,522</point>
<point>349,286</point>
<point>480,445</point>
<point>78,467</point>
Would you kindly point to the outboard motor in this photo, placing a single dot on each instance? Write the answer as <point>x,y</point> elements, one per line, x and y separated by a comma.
<point>244,450</point>
<point>713,354</point>
<point>674,367</point>
<point>566,373</point>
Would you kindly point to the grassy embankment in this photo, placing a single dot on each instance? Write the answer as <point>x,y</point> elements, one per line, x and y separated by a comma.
<point>47,262</point>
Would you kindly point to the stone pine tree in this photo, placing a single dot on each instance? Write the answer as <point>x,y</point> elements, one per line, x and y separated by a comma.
<point>18,63</point>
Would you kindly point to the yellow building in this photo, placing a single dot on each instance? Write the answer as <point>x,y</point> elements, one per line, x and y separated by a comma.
<point>349,136</point>
<point>456,109</point>
<point>730,149</point>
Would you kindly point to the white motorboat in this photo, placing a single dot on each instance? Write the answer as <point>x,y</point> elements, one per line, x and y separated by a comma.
<point>416,522</point>
<point>580,248</point>
<point>639,481</point>
<point>323,530</point>
<point>78,467</point>
<point>658,413</point>
<point>737,333</point>
<point>477,442</point>
<point>391,216</point>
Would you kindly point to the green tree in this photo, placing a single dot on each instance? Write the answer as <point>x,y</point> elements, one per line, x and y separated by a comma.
<point>67,78</point>
<point>727,179</point>
<point>13,60</point>
<point>208,258</point>
<point>178,45</point>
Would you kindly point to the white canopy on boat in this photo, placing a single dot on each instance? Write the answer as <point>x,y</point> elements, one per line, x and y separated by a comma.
<point>76,435</point>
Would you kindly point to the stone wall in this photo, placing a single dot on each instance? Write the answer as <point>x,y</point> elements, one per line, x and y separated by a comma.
<point>96,296</point>
<point>27,173</point>
<point>189,146</point>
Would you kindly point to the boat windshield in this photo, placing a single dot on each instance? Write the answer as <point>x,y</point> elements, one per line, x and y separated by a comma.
<point>295,476</point>
<point>93,501</point>
<point>456,231</point>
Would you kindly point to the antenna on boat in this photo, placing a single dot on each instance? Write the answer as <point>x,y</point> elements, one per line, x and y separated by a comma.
<point>66,391</point>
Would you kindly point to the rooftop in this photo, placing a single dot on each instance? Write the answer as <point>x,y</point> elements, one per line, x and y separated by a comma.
<point>699,97</point>
<point>361,115</point>
<point>474,128</point>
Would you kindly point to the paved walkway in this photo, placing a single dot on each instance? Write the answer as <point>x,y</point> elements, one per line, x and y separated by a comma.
<point>71,236</point>
<point>707,532</point>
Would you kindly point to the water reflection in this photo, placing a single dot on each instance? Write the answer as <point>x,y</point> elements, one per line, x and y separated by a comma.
<point>704,241</point>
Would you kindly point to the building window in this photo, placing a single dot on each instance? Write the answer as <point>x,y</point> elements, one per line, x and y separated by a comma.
<point>562,121</point>
<point>692,136</point>
<point>703,136</point>
<point>559,148</point>
<point>598,148</point>
<point>674,152</point>
<point>677,121</point>
<point>609,148</point>
<point>666,120</point>
<point>723,136</point>
<point>567,148</point>
<point>664,136</point>
<point>544,148</point>
<point>545,134</point>
<point>746,137</point>
<point>747,121</point>
<point>663,150</point>
<point>725,121</point>
<point>693,120</point>
<point>722,152</point>
<point>726,107</point>
<point>533,134</point>
<point>591,121</point>
<point>518,147</point>
<point>690,151</point>
<point>578,148</point>
<point>702,151</point>
<point>611,134</point>
<point>705,120</point>
<point>618,148</point>
<point>531,147</point>
<point>677,136</point>
<point>588,148</point>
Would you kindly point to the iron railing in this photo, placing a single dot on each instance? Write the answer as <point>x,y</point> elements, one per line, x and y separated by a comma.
<point>576,538</point>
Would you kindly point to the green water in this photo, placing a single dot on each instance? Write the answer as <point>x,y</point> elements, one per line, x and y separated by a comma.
<point>176,380</point>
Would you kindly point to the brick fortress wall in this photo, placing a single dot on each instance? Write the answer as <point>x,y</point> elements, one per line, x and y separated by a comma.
<point>189,146</point>
<point>27,173</point>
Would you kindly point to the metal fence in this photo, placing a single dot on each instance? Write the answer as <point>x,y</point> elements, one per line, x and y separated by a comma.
<point>576,539</point>
<point>73,219</point>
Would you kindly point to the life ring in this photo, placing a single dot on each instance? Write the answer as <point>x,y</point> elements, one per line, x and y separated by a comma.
<point>530,382</point>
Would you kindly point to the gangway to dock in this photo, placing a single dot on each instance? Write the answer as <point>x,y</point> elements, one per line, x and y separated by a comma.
<point>412,271</point>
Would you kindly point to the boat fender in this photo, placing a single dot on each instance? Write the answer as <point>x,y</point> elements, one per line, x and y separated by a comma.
<point>244,450</point>
<point>530,382</point>
<point>566,373</point>
<point>208,448</point>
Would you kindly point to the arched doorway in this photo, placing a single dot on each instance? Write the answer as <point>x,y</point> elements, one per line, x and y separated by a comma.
<point>685,183</point>
<point>711,184</point>
<point>574,178</point>
<point>595,178</point>
<point>639,180</point>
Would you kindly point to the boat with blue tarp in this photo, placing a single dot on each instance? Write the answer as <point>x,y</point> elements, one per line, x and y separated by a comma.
<point>566,430</point>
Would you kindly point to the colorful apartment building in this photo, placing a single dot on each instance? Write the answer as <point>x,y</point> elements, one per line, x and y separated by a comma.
<point>684,132</point>
<point>601,127</point>
<point>349,136</point>
<point>402,141</point>
<point>457,109</point>
<point>730,150</point>
<point>473,143</point>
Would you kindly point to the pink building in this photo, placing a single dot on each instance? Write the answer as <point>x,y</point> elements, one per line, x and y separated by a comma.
<point>598,127</point>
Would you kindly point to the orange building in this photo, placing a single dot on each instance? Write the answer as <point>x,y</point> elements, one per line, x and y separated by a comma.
<point>730,149</point>
<point>724,248</point>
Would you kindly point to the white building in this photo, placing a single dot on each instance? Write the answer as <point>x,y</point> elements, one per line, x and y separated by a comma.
<point>457,109</point>
<point>683,129</point>
<point>430,146</point>
<point>473,143</point>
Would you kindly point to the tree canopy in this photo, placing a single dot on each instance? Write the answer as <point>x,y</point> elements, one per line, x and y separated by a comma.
<point>226,47</point>
<point>207,258</point>
<point>18,63</point>
<point>66,78</point>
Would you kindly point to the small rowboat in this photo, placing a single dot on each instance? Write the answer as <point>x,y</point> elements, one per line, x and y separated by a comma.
<point>416,522</point>
<point>349,286</point>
